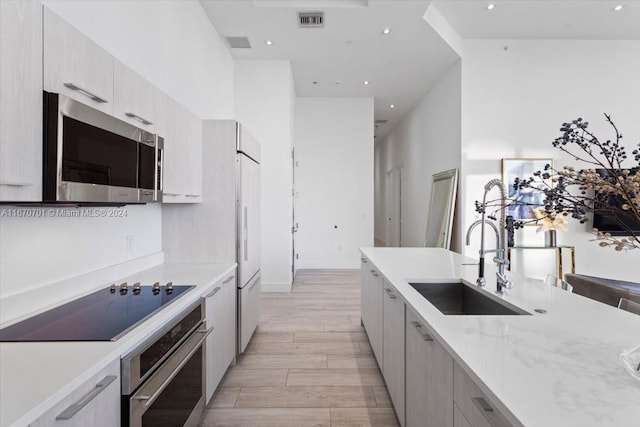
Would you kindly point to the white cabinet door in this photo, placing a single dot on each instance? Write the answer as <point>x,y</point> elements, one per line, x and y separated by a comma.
<point>249,226</point>
<point>372,309</point>
<point>364,294</point>
<point>96,403</point>
<point>166,117</point>
<point>458,419</point>
<point>249,315</point>
<point>429,378</point>
<point>20,101</point>
<point>193,147</point>
<point>477,408</point>
<point>220,310</point>
<point>133,98</point>
<point>393,348</point>
<point>75,66</point>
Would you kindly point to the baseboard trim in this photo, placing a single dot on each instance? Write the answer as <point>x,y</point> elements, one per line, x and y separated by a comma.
<point>276,287</point>
<point>328,265</point>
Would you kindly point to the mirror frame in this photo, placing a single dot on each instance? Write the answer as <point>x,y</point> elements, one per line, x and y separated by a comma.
<point>451,176</point>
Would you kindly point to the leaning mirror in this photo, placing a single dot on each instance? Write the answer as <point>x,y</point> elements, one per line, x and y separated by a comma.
<point>441,209</point>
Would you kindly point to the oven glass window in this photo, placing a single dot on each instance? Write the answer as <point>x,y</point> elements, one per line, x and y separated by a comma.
<point>176,402</point>
<point>95,156</point>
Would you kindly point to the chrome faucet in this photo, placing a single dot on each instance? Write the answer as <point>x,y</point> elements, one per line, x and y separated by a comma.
<point>502,284</point>
<point>480,281</point>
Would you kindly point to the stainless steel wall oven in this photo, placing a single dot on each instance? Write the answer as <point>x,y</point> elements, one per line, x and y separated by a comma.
<point>163,378</point>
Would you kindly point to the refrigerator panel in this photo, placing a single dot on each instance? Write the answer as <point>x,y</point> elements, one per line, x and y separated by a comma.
<point>246,143</point>
<point>249,233</point>
<point>248,311</point>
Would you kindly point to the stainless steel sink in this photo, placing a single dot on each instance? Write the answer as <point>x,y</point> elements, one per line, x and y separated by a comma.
<point>457,298</point>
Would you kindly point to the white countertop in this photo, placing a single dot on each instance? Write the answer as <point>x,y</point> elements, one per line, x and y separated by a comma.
<point>561,368</point>
<point>36,376</point>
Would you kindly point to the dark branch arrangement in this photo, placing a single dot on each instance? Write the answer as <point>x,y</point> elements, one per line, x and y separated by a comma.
<point>606,187</point>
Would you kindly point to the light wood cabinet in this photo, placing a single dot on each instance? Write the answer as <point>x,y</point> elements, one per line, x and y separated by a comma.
<point>220,307</point>
<point>393,361</point>
<point>182,133</point>
<point>372,308</point>
<point>429,377</point>
<point>133,98</point>
<point>474,405</point>
<point>458,419</point>
<point>96,403</point>
<point>75,66</point>
<point>20,101</point>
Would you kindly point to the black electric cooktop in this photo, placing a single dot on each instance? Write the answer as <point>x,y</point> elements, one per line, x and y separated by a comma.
<point>104,315</point>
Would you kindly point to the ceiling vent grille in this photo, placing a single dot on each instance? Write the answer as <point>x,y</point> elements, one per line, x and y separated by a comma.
<point>239,42</point>
<point>310,19</point>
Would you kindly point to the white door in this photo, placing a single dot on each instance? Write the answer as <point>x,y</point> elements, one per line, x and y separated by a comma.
<point>394,210</point>
<point>249,211</point>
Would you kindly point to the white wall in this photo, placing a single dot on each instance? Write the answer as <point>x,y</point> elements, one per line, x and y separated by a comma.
<point>516,94</point>
<point>264,103</point>
<point>333,181</point>
<point>425,141</point>
<point>173,45</point>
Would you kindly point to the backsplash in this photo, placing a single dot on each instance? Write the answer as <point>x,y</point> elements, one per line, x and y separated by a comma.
<point>42,245</point>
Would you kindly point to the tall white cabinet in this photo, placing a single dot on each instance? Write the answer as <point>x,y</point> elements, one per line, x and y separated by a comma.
<point>20,101</point>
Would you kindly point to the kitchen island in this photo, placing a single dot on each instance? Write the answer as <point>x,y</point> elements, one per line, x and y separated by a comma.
<point>557,368</point>
<point>37,376</point>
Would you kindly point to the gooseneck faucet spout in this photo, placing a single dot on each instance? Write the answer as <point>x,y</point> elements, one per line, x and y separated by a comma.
<point>480,281</point>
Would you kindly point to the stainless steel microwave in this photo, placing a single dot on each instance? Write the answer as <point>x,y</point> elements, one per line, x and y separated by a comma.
<point>93,158</point>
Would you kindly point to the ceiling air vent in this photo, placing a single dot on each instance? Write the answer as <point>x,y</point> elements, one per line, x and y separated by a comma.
<point>238,42</point>
<point>311,19</point>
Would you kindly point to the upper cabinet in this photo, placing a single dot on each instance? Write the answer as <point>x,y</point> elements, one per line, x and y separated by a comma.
<point>133,98</point>
<point>75,66</point>
<point>20,101</point>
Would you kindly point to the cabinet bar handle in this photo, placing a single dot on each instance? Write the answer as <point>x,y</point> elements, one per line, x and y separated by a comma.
<point>170,194</point>
<point>424,336</point>
<point>138,118</point>
<point>68,413</point>
<point>86,93</point>
<point>364,260</point>
<point>213,292</point>
<point>228,279</point>
<point>254,285</point>
<point>192,195</point>
<point>493,418</point>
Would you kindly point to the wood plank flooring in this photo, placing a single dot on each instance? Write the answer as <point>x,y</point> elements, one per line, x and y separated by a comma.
<point>308,364</point>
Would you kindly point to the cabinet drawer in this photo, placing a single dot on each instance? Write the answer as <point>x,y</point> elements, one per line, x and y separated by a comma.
<point>75,66</point>
<point>478,410</point>
<point>96,403</point>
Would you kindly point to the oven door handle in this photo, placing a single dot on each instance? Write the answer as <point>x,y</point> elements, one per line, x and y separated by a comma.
<point>148,400</point>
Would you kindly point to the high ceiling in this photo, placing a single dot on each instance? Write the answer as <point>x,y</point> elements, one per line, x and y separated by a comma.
<point>400,67</point>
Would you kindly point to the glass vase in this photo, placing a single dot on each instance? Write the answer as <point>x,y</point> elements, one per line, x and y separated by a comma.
<point>550,238</point>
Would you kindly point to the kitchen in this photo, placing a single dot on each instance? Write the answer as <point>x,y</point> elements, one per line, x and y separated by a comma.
<point>260,93</point>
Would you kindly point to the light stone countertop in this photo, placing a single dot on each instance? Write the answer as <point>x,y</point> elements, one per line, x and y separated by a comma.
<point>35,376</point>
<point>561,368</point>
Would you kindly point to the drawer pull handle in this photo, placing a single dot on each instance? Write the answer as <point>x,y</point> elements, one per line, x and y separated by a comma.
<point>213,292</point>
<point>424,336</point>
<point>86,93</point>
<point>228,279</point>
<point>68,413</point>
<point>170,194</point>
<point>493,418</point>
<point>363,260</point>
<point>138,118</point>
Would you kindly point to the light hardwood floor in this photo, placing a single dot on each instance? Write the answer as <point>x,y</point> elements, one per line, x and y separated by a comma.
<point>308,364</point>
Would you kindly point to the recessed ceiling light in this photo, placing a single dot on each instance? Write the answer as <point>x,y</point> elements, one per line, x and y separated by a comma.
<point>315,83</point>
<point>269,42</point>
<point>491,6</point>
<point>392,106</point>
<point>618,8</point>
<point>366,82</point>
<point>337,82</point>
<point>386,31</point>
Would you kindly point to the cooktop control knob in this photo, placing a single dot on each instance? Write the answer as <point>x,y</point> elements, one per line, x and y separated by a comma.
<point>156,288</point>
<point>136,288</point>
<point>123,288</point>
<point>112,288</point>
<point>169,288</point>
